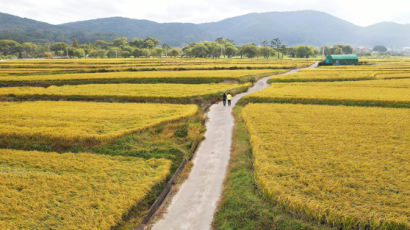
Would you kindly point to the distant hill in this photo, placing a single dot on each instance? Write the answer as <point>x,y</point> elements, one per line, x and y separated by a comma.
<point>27,30</point>
<point>293,28</point>
<point>389,34</point>
<point>175,34</point>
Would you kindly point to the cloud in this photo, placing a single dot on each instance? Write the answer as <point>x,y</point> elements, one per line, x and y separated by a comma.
<point>363,12</point>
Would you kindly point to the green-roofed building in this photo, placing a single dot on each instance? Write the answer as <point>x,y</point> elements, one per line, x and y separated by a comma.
<point>349,59</point>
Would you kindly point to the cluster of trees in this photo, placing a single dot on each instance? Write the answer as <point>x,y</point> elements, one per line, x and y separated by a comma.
<point>119,47</point>
<point>337,49</point>
<point>380,49</point>
<point>10,48</point>
<point>227,48</point>
<point>122,47</point>
<point>220,47</point>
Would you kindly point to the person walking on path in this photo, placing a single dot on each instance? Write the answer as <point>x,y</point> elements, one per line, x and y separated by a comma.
<point>224,98</point>
<point>229,97</point>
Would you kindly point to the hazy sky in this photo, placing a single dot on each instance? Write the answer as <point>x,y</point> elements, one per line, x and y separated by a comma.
<point>360,12</point>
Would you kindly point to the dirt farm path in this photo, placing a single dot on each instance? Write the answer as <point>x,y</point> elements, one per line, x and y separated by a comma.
<point>194,204</point>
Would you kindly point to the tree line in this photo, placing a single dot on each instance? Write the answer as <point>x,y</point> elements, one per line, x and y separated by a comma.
<point>152,47</point>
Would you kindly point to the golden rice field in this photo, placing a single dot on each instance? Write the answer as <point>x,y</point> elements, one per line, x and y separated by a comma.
<point>378,67</point>
<point>324,75</point>
<point>381,92</point>
<point>41,190</point>
<point>144,64</point>
<point>335,74</point>
<point>387,61</point>
<point>216,74</point>
<point>20,71</point>
<point>142,70</point>
<point>150,61</point>
<point>347,166</point>
<point>156,66</point>
<point>65,123</point>
<point>114,68</point>
<point>126,90</point>
<point>374,71</point>
<point>400,68</point>
<point>393,75</point>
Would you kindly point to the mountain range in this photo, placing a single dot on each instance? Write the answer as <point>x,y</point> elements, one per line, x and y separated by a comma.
<point>293,28</point>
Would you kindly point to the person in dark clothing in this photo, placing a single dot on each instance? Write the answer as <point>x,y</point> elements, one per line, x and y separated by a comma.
<point>224,98</point>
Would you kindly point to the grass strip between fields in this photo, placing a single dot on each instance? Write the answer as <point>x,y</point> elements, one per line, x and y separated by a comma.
<point>173,141</point>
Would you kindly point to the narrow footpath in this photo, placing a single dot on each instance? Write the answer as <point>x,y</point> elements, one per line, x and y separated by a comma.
<point>194,204</point>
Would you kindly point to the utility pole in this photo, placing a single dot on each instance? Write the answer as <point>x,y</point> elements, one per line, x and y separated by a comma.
<point>116,53</point>
<point>221,51</point>
<point>66,51</point>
